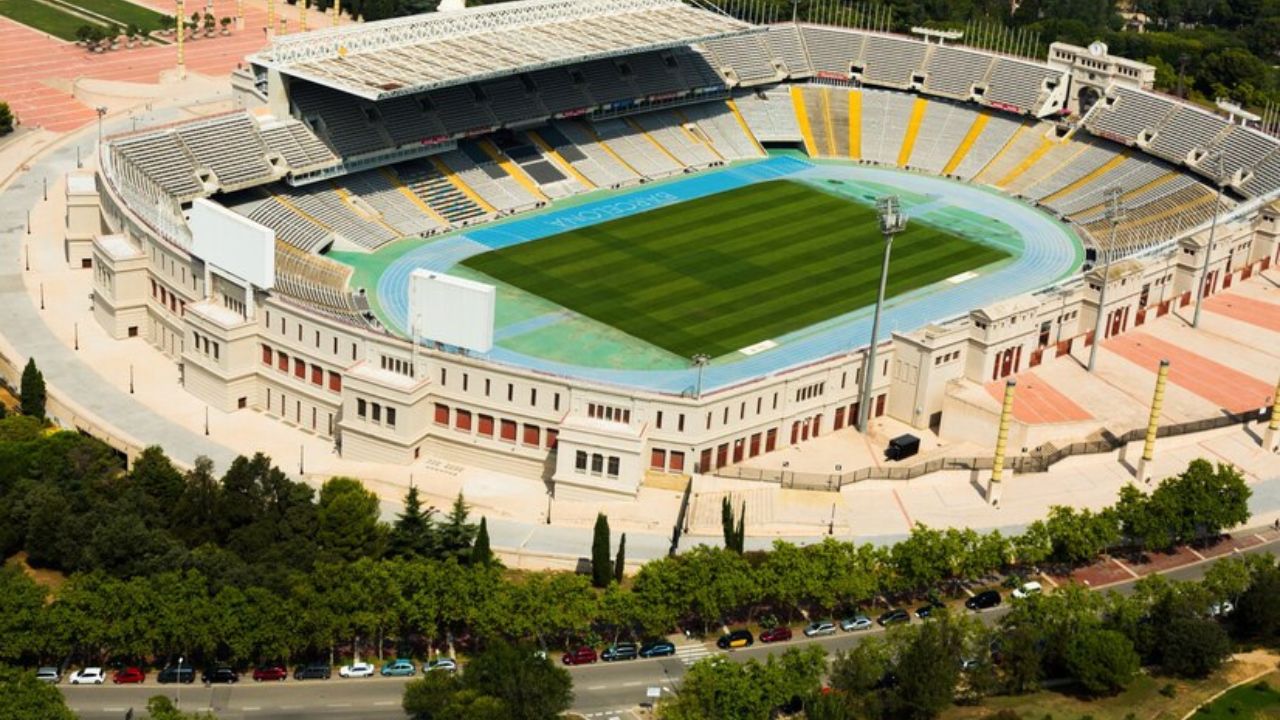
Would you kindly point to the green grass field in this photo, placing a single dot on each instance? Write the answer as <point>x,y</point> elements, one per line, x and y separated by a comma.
<point>45,18</point>
<point>720,273</point>
<point>125,12</point>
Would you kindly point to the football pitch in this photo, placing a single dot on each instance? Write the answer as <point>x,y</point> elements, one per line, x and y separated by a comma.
<point>727,271</point>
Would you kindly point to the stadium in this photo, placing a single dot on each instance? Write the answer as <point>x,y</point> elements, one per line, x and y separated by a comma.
<point>589,240</point>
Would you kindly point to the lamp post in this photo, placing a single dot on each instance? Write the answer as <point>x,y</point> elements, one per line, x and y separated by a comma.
<point>1220,173</point>
<point>131,380</point>
<point>101,110</point>
<point>700,361</point>
<point>892,222</point>
<point>178,700</point>
<point>1115,215</point>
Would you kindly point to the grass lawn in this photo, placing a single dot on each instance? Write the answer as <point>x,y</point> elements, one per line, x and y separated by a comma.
<point>125,12</point>
<point>720,273</point>
<point>1251,701</point>
<point>44,18</point>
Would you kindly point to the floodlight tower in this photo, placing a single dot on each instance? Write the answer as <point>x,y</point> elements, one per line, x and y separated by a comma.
<point>1115,214</point>
<point>700,361</point>
<point>892,222</point>
<point>1220,177</point>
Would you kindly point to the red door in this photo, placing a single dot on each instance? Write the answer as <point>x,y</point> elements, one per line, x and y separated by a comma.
<point>880,405</point>
<point>739,447</point>
<point>795,432</point>
<point>771,440</point>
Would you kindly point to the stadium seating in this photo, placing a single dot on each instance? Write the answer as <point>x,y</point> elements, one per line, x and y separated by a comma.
<point>745,56</point>
<point>300,148</point>
<point>162,157</point>
<point>340,120</point>
<point>430,185</point>
<point>784,44</point>
<point>1135,171</point>
<point>997,131</point>
<point>891,60</point>
<point>1015,153</point>
<point>408,120</point>
<point>667,130</point>
<point>460,109</point>
<point>229,146</point>
<point>558,90</point>
<point>884,124</point>
<point>1131,114</point>
<point>769,115</point>
<point>484,177</point>
<point>1018,83</point>
<point>578,145</point>
<point>1185,130</point>
<point>290,227</point>
<point>953,71</point>
<point>1075,163</point>
<point>1241,148</point>
<point>634,150</point>
<point>1266,175</point>
<point>724,131</point>
<point>381,192</point>
<point>538,165</point>
<point>317,282</point>
<point>944,128</point>
<point>329,207</point>
<point>831,50</point>
<point>510,101</point>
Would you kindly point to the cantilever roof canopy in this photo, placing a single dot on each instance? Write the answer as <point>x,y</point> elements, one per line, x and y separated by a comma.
<point>402,56</point>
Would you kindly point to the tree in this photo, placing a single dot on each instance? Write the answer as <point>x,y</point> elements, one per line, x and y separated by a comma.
<point>1193,647</point>
<point>348,520</point>
<point>455,533</point>
<point>528,686</point>
<point>601,566</point>
<point>734,529</point>
<point>1257,613</point>
<point>716,689</point>
<point>1022,660</point>
<point>6,127</point>
<point>1103,661</point>
<point>620,562</point>
<point>480,553</point>
<point>412,534</point>
<point>23,697</point>
<point>161,707</point>
<point>158,483</point>
<point>32,390</point>
<point>927,667</point>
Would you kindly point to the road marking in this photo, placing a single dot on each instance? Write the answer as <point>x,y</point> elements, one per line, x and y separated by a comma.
<point>252,707</point>
<point>598,687</point>
<point>338,705</point>
<point>1193,552</point>
<point>1049,580</point>
<point>382,703</point>
<point>632,684</point>
<point>114,709</point>
<point>903,508</point>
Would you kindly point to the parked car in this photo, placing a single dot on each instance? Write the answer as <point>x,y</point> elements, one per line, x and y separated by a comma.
<point>172,674</point>
<point>88,676</point>
<point>582,656</point>
<point>128,675</point>
<point>1221,609</point>
<point>272,673</point>
<point>440,665</point>
<point>736,639</point>
<point>400,667</point>
<point>818,628</point>
<point>776,634</point>
<point>620,651</point>
<point>1027,589</point>
<point>925,612</point>
<point>893,617</point>
<point>356,670</point>
<point>49,675</point>
<point>313,671</point>
<point>221,675</point>
<point>657,648</point>
<point>984,600</point>
<point>855,623</point>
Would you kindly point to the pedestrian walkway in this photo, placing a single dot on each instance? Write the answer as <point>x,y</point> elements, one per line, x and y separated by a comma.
<point>690,654</point>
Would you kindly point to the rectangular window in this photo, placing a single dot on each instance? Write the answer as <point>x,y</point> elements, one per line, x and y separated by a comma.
<point>532,435</point>
<point>391,417</point>
<point>580,461</point>
<point>658,459</point>
<point>266,355</point>
<point>533,397</point>
<point>377,412</point>
<point>511,392</point>
<point>335,382</point>
<point>676,463</point>
<point>282,362</point>
<point>555,402</point>
<point>299,368</point>
<point>552,438</point>
<point>613,466</point>
<point>486,387</point>
<point>597,463</point>
<point>465,381</point>
<point>462,420</point>
<point>317,375</point>
<point>442,414</point>
<point>680,423</point>
<point>659,422</point>
<point>486,425</point>
<point>444,376</point>
<point>508,432</point>
<point>361,407</point>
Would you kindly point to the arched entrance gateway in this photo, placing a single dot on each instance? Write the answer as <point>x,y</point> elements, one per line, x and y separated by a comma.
<point>1093,69</point>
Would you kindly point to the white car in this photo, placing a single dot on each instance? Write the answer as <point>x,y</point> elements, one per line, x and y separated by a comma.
<point>88,676</point>
<point>440,664</point>
<point>1221,609</point>
<point>356,670</point>
<point>1027,590</point>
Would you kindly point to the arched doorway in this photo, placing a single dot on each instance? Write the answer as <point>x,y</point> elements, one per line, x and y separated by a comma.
<point>1086,98</point>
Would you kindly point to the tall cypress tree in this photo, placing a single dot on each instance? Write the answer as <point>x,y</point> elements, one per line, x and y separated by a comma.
<point>740,535</point>
<point>726,521</point>
<point>480,554</point>
<point>620,563</point>
<point>413,533</point>
<point>32,390</point>
<point>601,567</point>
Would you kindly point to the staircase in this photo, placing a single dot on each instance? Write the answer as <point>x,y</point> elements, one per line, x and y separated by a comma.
<point>425,181</point>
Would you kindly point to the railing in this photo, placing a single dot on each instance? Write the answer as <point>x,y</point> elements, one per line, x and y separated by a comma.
<point>1038,460</point>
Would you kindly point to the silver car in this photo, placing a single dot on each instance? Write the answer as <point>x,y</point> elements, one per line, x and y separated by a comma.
<point>855,623</point>
<point>820,627</point>
<point>49,675</point>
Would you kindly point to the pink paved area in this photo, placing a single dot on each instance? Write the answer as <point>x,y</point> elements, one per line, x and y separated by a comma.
<point>1036,401</point>
<point>40,69</point>
<point>1156,562</point>
<point>1229,388</point>
<point>1237,307</point>
<point>1111,570</point>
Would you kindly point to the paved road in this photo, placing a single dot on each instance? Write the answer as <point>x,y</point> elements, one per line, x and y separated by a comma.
<point>601,690</point>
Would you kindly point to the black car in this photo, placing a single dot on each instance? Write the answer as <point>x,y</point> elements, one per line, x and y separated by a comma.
<point>984,600</point>
<point>926,611</point>
<point>172,674</point>
<point>660,648</point>
<point>219,675</point>
<point>313,671</point>
<point>893,617</point>
<point>620,651</point>
<point>737,638</point>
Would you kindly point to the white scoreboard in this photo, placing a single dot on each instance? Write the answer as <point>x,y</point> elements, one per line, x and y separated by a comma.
<point>451,310</point>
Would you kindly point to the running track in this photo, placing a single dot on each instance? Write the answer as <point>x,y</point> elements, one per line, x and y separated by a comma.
<point>1050,253</point>
<point>1215,382</point>
<point>1036,401</point>
<point>1245,309</point>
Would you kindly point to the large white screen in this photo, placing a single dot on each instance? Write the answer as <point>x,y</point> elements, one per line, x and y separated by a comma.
<point>233,243</point>
<point>451,310</point>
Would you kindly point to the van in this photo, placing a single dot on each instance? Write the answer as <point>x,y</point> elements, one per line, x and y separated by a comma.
<point>174,674</point>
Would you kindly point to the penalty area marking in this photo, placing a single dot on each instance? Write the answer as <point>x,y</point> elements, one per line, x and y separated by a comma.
<point>957,279</point>
<point>758,347</point>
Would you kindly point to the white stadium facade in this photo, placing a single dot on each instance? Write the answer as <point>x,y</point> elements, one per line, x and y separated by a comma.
<point>209,237</point>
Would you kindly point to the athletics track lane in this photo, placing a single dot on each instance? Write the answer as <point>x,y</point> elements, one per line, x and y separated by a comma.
<point>1228,388</point>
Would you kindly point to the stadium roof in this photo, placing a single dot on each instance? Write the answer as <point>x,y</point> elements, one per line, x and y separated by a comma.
<point>402,56</point>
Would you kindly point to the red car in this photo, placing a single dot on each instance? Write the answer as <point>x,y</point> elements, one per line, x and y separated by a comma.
<point>777,634</point>
<point>128,675</point>
<point>270,672</point>
<point>582,656</point>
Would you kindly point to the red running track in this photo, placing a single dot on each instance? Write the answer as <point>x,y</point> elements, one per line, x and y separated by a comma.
<point>1224,386</point>
<point>1245,309</point>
